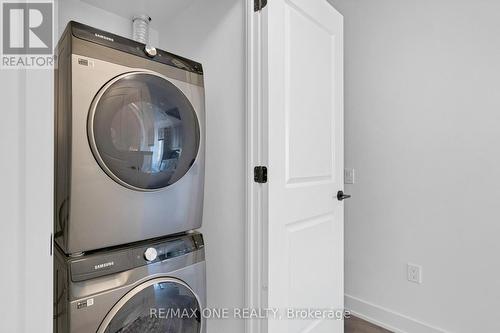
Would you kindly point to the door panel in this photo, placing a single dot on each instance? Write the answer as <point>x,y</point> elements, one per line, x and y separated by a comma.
<point>303,104</point>
<point>309,120</point>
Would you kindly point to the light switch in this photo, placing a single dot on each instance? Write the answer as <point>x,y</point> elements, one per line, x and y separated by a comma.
<point>349,176</point>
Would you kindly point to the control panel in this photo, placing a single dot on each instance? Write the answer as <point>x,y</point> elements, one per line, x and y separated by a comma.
<point>100,37</point>
<point>113,261</point>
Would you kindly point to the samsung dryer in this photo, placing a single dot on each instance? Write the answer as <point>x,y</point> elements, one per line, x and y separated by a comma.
<point>130,147</point>
<point>156,286</point>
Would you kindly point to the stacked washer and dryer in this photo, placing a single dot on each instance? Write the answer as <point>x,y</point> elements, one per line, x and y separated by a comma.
<point>129,171</point>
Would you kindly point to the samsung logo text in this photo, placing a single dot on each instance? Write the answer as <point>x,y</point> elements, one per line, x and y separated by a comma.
<point>104,265</point>
<point>104,37</point>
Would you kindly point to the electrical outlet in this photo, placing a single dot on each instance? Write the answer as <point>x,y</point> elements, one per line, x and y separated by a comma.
<point>414,273</point>
<point>349,176</point>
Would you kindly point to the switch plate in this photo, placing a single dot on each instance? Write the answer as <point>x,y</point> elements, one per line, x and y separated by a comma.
<point>349,176</point>
<point>414,273</point>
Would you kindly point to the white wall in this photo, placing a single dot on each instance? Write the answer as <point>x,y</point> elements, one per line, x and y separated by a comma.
<point>13,218</point>
<point>26,133</point>
<point>10,142</point>
<point>212,32</point>
<point>423,132</point>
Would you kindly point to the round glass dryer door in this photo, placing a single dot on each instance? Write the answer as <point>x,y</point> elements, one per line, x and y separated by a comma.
<point>158,306</point>
<point>143,131</point>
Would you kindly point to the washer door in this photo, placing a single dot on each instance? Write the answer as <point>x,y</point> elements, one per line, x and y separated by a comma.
<point>143,131</point>
<point>162,305</point>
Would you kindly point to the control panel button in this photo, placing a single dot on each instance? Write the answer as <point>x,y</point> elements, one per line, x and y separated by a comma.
<point>150,254</point>
<point>150,51</point>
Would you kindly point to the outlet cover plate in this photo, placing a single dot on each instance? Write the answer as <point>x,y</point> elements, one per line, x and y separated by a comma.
<point>349,176</point>
<point>414,273</point>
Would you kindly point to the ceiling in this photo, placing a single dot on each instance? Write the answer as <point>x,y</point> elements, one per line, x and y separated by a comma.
<point>158,10</point>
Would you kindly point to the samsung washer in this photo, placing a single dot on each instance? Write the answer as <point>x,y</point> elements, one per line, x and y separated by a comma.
<point>130,147</point>
<point>146,287</point>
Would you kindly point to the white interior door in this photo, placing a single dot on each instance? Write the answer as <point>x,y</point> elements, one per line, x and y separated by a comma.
<point>301,60</point>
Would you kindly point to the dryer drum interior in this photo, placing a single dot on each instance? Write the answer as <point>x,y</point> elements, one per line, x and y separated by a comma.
<point>163,305</point>
<point>143,131</point>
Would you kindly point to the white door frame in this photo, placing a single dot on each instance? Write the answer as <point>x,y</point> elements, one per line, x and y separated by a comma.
<point>255,155</point>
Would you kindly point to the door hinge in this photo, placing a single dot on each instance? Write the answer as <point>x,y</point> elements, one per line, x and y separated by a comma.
<point>260,174</point>
<point>259,4</point>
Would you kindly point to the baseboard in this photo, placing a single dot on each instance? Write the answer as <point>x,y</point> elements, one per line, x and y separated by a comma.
<point>386,318</point>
